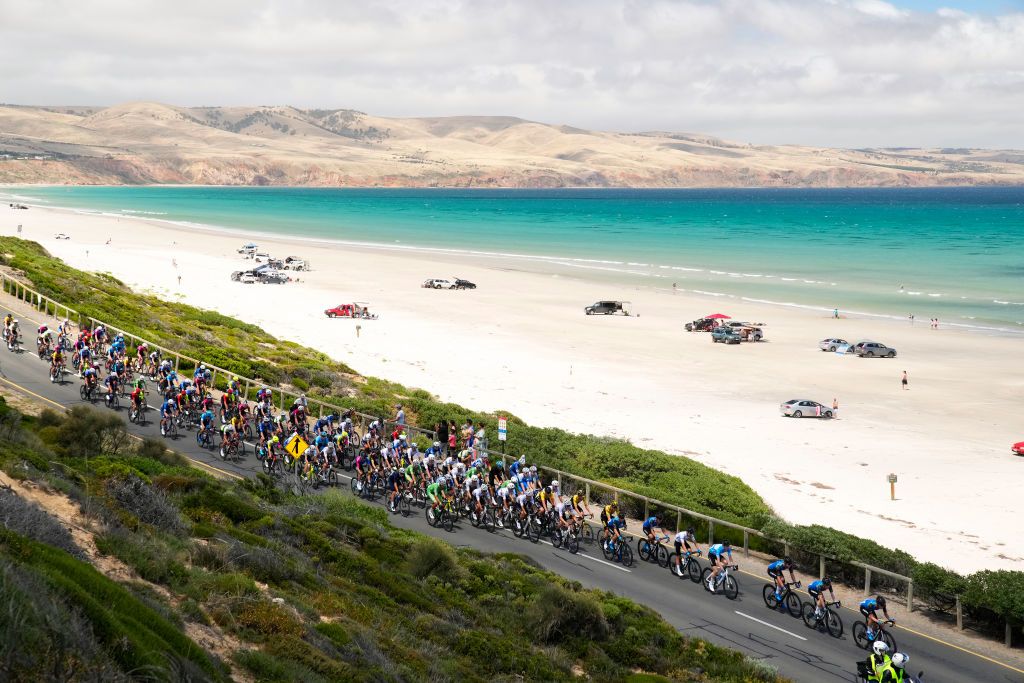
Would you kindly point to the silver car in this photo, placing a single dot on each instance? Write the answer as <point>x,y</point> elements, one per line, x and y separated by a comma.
<point>802,407</point>
<point>832,344</point>
<point>874,350</point>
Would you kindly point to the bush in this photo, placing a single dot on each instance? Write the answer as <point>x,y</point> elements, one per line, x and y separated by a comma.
<point>154,449</point>
<point>150,505</point>
<point>999,592</point>
<point>86,432</point>
<point>28,519</point>
<point>933,581</point>
<point>557,614</point>
<point>430,557</point>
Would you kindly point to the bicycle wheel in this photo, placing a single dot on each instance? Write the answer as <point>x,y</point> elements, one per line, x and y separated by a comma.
<point>693,569</point>
<point>662,555</point>
<point>807,614</point>
<point>627,555</point>
<point>354,484</point>
<point>392,505</point>
<point>860,635</point>
<point>449,520</point>
<point>770,601</point>
<point>489,519</point>
<point>888,640</point>
<point>643,549</point>
<point>518,527</point>
<point>199,440</point>
<point>793,605</point>
<point>587,533</point>
<point>608,548</point>
<point>556,537</point>
<point>704,576</point>
<point>730,588</point>
<point>834,624</point>
<point>83,392</point>
<point>332,477</point>
<point>428,512</point>
<point>572,543</point>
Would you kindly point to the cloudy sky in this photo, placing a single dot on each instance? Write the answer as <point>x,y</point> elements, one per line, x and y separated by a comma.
<point>829,72</point>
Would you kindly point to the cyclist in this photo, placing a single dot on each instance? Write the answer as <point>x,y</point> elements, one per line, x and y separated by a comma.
<point>816,589</point>
<point>613,529</point>
<point>716,557</point>
<point>228,435</point>
<point>877,661</point>
<point>869,608</point>
<point>578,503</point>
<point>651,525</point>
<point>111,383</point>
<point>683,540</point>
<point>607,513</point>
<point>895,671</point>
<point>394,485</point>
<point>167,412</point>
<point>91,376</point>
<point>137,397</point>
<point>56,360</point>
<point>776,571</point>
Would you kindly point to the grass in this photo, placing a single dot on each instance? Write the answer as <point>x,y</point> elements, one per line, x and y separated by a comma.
<point>313,588</point>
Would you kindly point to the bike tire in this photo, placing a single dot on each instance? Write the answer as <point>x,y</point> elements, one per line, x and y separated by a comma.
<point>556,538</point>
<point>860,635</point>
<point>793,605</point>
<point>608,550</point>
<point>572,543</point>
<point>643,549</point>
<point>807,614</point>
<point>587,533</point>
<point>768,593</point>
<point>662,555</point>
<point>834,624</point>
<point>518,528</point>
<point>449,521</point>
<point>354,485</point>
<point>730,587</point>
<point>704,576</point>
<point>693,569</point>
<point>403,505</point>
<point>627,555</point>
<point>83,393</point>
<point>888,640</point>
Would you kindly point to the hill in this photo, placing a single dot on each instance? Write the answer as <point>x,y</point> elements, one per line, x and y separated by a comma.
<point>139,143</point>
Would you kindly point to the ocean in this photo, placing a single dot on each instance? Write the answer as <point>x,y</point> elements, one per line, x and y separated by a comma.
<point>952,253</point>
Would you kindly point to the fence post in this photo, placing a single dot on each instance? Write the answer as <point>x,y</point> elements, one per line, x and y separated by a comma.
<point>1009,634</point>
<point>679,520</point>
<point>587,494</point>
<point>821,566</point>
<point>867,581</point>
<point>785,549</point>
<point>959,614</point>
<point>646,504</point>
<point>711,532</point>
<point>910,596</point>
<point>746,543</point>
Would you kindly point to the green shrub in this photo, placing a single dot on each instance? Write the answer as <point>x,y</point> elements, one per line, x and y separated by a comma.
<point>430,557</point>
<point>557,614</point>
<point>999,592</point>
<point>932,580</point>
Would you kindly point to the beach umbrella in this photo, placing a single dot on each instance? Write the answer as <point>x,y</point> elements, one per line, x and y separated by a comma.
<point>718,316</point>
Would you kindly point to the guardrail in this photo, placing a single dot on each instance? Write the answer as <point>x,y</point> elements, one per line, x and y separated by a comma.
<point>594,490</point>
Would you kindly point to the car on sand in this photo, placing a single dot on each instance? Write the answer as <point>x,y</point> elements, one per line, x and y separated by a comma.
<point>874,350</point>
<point>802,407</point>
<point>831,344</point>
<point>607,308</point>
<point>438,283</point>
<point>1018,448</point>
<point>726,335</point>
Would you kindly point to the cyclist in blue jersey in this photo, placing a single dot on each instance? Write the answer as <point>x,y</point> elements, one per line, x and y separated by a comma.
<point>517,465</point>
<point>167,411</point>
<point>206,422</point>
<point>652,525</point>
<point>776,570</point>
<point>868,608</point>
<point>716,557</point>
<point>816,589</point>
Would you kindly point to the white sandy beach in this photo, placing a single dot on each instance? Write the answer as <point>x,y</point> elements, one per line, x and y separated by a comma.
<point>521,343</point>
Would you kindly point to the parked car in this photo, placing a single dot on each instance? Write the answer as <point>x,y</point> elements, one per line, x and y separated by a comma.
<point>358,309</point>
<point>438,283</point>
<point>464,284</point>
<point>700,325</point>
<point>747,331</point>
<point>726,335</point>
<point>874,350</point>
<point>295,263</point>
<point>607,308</point>
<point>61,236</point>
<point>802,407</point>
<point>261,256</point>
<point>248,249</point>
<point>831,344</point>
<point>1018,448</point>
<point>247,278</point>
<point>272,277</point>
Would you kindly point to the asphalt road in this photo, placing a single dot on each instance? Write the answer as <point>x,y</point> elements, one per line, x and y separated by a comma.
<point>744,624</point>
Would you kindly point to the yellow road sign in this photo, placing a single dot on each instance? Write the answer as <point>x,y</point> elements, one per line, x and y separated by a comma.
<point>296,446</point>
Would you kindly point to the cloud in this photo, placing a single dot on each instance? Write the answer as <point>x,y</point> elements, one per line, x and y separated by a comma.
<point>840,72</point>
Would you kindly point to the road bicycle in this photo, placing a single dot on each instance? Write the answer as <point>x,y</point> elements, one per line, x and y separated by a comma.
<point>864,641</point>
<point>57,374</point>
<point>725,583</point>
<point>688,567</point>
<point>828,620</point>
<point>203,439</point>
<point>168,428</point>
<point>137,415</point>
<point>112,400</point>
<point>87,392</point>
<point>618,550</point>
<point>790,600</point>
<point>653,552</point>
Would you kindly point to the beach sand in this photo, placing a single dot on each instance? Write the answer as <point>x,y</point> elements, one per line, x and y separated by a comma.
<point>521,343</point>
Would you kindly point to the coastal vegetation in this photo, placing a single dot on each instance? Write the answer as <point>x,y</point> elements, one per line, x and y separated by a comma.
<point>251,352</point>
<point>223,580</point>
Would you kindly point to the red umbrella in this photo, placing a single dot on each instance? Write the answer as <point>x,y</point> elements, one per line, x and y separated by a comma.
<point>718,316</point>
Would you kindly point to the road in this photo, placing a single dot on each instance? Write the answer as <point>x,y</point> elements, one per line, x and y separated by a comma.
<point>744,624</point>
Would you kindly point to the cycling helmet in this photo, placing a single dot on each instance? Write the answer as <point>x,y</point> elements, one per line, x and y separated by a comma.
<point>899,660</point>
<point>437,444</point>
<point>556,485</point>
<point>235,378</point>
<point>826,581</point>
<point>879,648</point>
<point>547,490</point>
<point>727,544</point>
<point>691,531</point>
<point>522,459</point>
<point>788,561</point>
<point>881,601</point>
<point>533,469</point>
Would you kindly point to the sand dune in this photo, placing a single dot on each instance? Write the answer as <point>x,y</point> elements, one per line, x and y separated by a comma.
<point>279,145</point>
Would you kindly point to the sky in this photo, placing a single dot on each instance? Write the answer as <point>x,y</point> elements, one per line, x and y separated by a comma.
<point>846,73</point>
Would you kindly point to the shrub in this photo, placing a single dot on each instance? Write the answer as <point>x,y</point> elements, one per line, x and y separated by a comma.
<point>28,519</point>
<point>430,557</point>
<point>86,432</point>
<point>557,613</point>
<point>272,669</point>
<point>1000,592</point>
<point>149,556</point>
<point>933,581</point>
<point>154,449</point>
<point>265,618</point>
<point>149,504</point>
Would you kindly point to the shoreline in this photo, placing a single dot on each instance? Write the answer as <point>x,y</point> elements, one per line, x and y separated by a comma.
<point>591,264</point>
<point>521,345</point>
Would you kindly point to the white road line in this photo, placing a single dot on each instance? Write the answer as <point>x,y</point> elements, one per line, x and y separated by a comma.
<point>595,559</point>
<point>790,633</point>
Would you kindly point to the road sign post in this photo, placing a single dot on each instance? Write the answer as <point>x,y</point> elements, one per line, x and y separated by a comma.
<point>502,432</point>
<point>892,487</point>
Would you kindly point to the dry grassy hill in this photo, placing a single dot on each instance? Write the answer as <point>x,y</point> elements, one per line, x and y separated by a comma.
<point>155,143</point>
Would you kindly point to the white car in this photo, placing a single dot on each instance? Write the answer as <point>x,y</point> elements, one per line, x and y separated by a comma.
<point>438,283</point>
<point>61,236</point>
<point>802,407</point>
<point>247,278</point>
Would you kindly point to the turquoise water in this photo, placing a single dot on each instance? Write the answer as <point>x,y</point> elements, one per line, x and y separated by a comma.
<point>952,253</point>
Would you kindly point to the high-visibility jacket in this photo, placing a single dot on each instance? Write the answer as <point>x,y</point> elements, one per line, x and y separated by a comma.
<point>890,674</point>
<point>877,664</point>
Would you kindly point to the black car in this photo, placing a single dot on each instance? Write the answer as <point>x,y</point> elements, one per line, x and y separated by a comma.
<point>607,308</point>
<point>463,284</point>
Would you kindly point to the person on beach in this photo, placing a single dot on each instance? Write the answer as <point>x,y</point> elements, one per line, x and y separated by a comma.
<point>835,313</point>
<point>904,380</point>
<point>835,407</point>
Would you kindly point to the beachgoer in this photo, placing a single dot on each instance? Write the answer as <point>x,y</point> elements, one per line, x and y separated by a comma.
<point>835,312</point>
<point>904,380</point>
<point>835,407</point>
<point>400,417</point>
<point>179,281</point>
